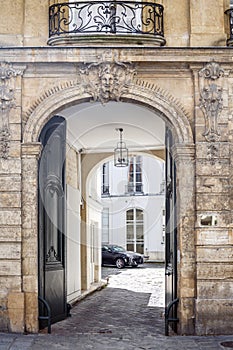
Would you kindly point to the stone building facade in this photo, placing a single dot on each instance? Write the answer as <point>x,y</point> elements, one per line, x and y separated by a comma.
<point>184,75</point>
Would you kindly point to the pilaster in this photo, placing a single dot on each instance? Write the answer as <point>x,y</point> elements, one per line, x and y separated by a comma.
<point>185,173</point>
<point>30,155</point>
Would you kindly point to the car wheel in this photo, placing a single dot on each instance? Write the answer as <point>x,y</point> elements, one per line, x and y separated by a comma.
<point>120,263</point>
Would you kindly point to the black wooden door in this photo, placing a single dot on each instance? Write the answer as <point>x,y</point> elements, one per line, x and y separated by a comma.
<point>52,242</point>
<point>171,233</point>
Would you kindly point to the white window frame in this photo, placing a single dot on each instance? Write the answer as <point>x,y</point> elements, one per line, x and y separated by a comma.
<point>135,224</point>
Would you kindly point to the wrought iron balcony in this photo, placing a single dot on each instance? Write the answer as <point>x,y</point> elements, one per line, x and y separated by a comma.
<point>74,22</point>
<point>229,13</point>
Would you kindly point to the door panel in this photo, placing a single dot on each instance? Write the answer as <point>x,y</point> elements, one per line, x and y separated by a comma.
<point>52,242</point>
<point>171,231</point>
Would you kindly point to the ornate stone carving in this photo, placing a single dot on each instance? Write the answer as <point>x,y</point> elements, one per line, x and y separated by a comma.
<point>211,106</point>
<point>7,86</point>
<point>106,81</point>
<point>211,71</point>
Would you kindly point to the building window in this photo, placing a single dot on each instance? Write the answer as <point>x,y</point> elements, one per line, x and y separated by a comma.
<point>105,226</point>
<point>135,175</point>
<point>105,179</point>
<point>135,230</point>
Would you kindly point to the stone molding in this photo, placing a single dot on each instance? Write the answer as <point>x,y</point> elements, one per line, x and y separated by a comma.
<point>7,101</point>
<point>183,152</point>
<point>31,149</point>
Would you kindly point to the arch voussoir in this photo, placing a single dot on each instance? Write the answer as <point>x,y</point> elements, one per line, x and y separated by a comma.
<point>147,95</point>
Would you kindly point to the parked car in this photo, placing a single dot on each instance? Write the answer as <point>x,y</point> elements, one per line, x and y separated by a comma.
<point>118,256</point>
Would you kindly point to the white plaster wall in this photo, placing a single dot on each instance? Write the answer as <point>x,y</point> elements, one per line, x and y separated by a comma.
<point>152,203</point>
<point>94,226</point>
<point>73,244</point>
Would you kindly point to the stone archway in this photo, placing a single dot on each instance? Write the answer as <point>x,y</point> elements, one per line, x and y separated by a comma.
<point>173,114</point>
<point>138,92</point>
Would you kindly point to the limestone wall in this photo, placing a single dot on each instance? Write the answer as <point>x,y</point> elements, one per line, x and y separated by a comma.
<point>183,88</point>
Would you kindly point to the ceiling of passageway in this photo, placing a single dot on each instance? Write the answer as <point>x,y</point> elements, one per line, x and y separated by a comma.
<point>92,126</point>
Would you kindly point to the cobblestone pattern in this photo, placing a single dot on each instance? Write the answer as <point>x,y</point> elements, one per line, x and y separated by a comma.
<point>116,317</point>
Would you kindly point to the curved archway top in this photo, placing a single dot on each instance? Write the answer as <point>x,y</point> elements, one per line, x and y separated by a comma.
<point>139,91</point>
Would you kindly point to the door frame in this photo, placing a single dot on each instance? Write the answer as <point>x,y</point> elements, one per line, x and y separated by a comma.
<point>183,151</point>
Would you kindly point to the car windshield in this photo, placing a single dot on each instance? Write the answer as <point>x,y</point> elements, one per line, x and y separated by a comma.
<point>117,248</point>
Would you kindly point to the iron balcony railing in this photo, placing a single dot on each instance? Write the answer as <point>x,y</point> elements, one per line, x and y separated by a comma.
<point>229,13</point>
<point>108,17</point>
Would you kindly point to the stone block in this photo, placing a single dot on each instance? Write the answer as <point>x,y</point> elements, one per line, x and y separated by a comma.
<point>15,130</point>
<point>10,267</point>
<point>10,183</point>
<point>209,202</point>
<point>15,149</point>
<point>202,149</point>
<point>214,316</point>
<point>186,316</point>
<point>30,266</point>
<point>10,200</point>
<point>36,35</point>
<point>10,233</point>
<point>29,248</point>
<point>15,114</point>
<point>30,283</point>
<point>31,312</point>
<point>10,250</point>
<point>220,168</point>
<point>10,166</point>
<point>8,217</point>
<point>9,17</point>
<point>214,271</point>
<point>214,289</point>
<point>16,311</point>
<point>206,236</point>
<point>210,184</point>
<point>13,283</point>
<point>215,254</point>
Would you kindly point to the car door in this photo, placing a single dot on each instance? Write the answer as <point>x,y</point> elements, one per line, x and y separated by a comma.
<point>107,255</point>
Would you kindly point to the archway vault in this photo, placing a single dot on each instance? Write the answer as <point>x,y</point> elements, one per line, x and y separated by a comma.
<point>147,95</point>
<point>139,92</point>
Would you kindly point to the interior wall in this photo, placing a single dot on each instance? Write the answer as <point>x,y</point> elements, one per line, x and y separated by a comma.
<point>73,227</point>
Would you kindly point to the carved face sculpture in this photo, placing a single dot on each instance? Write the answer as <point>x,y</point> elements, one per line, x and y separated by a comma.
<point>107,83</point>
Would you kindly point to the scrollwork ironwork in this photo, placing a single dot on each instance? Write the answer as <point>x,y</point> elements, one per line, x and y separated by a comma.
<point>229,13</point>
<point>119,17</point>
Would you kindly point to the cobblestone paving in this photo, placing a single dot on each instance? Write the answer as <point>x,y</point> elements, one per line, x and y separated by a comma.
<point>126,315</point>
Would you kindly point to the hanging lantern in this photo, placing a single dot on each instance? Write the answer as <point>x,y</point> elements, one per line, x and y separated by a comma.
<point>121,152</point>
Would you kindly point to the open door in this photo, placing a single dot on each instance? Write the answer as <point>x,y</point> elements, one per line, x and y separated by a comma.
<point>52,241</point>
<point>170,239</point>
